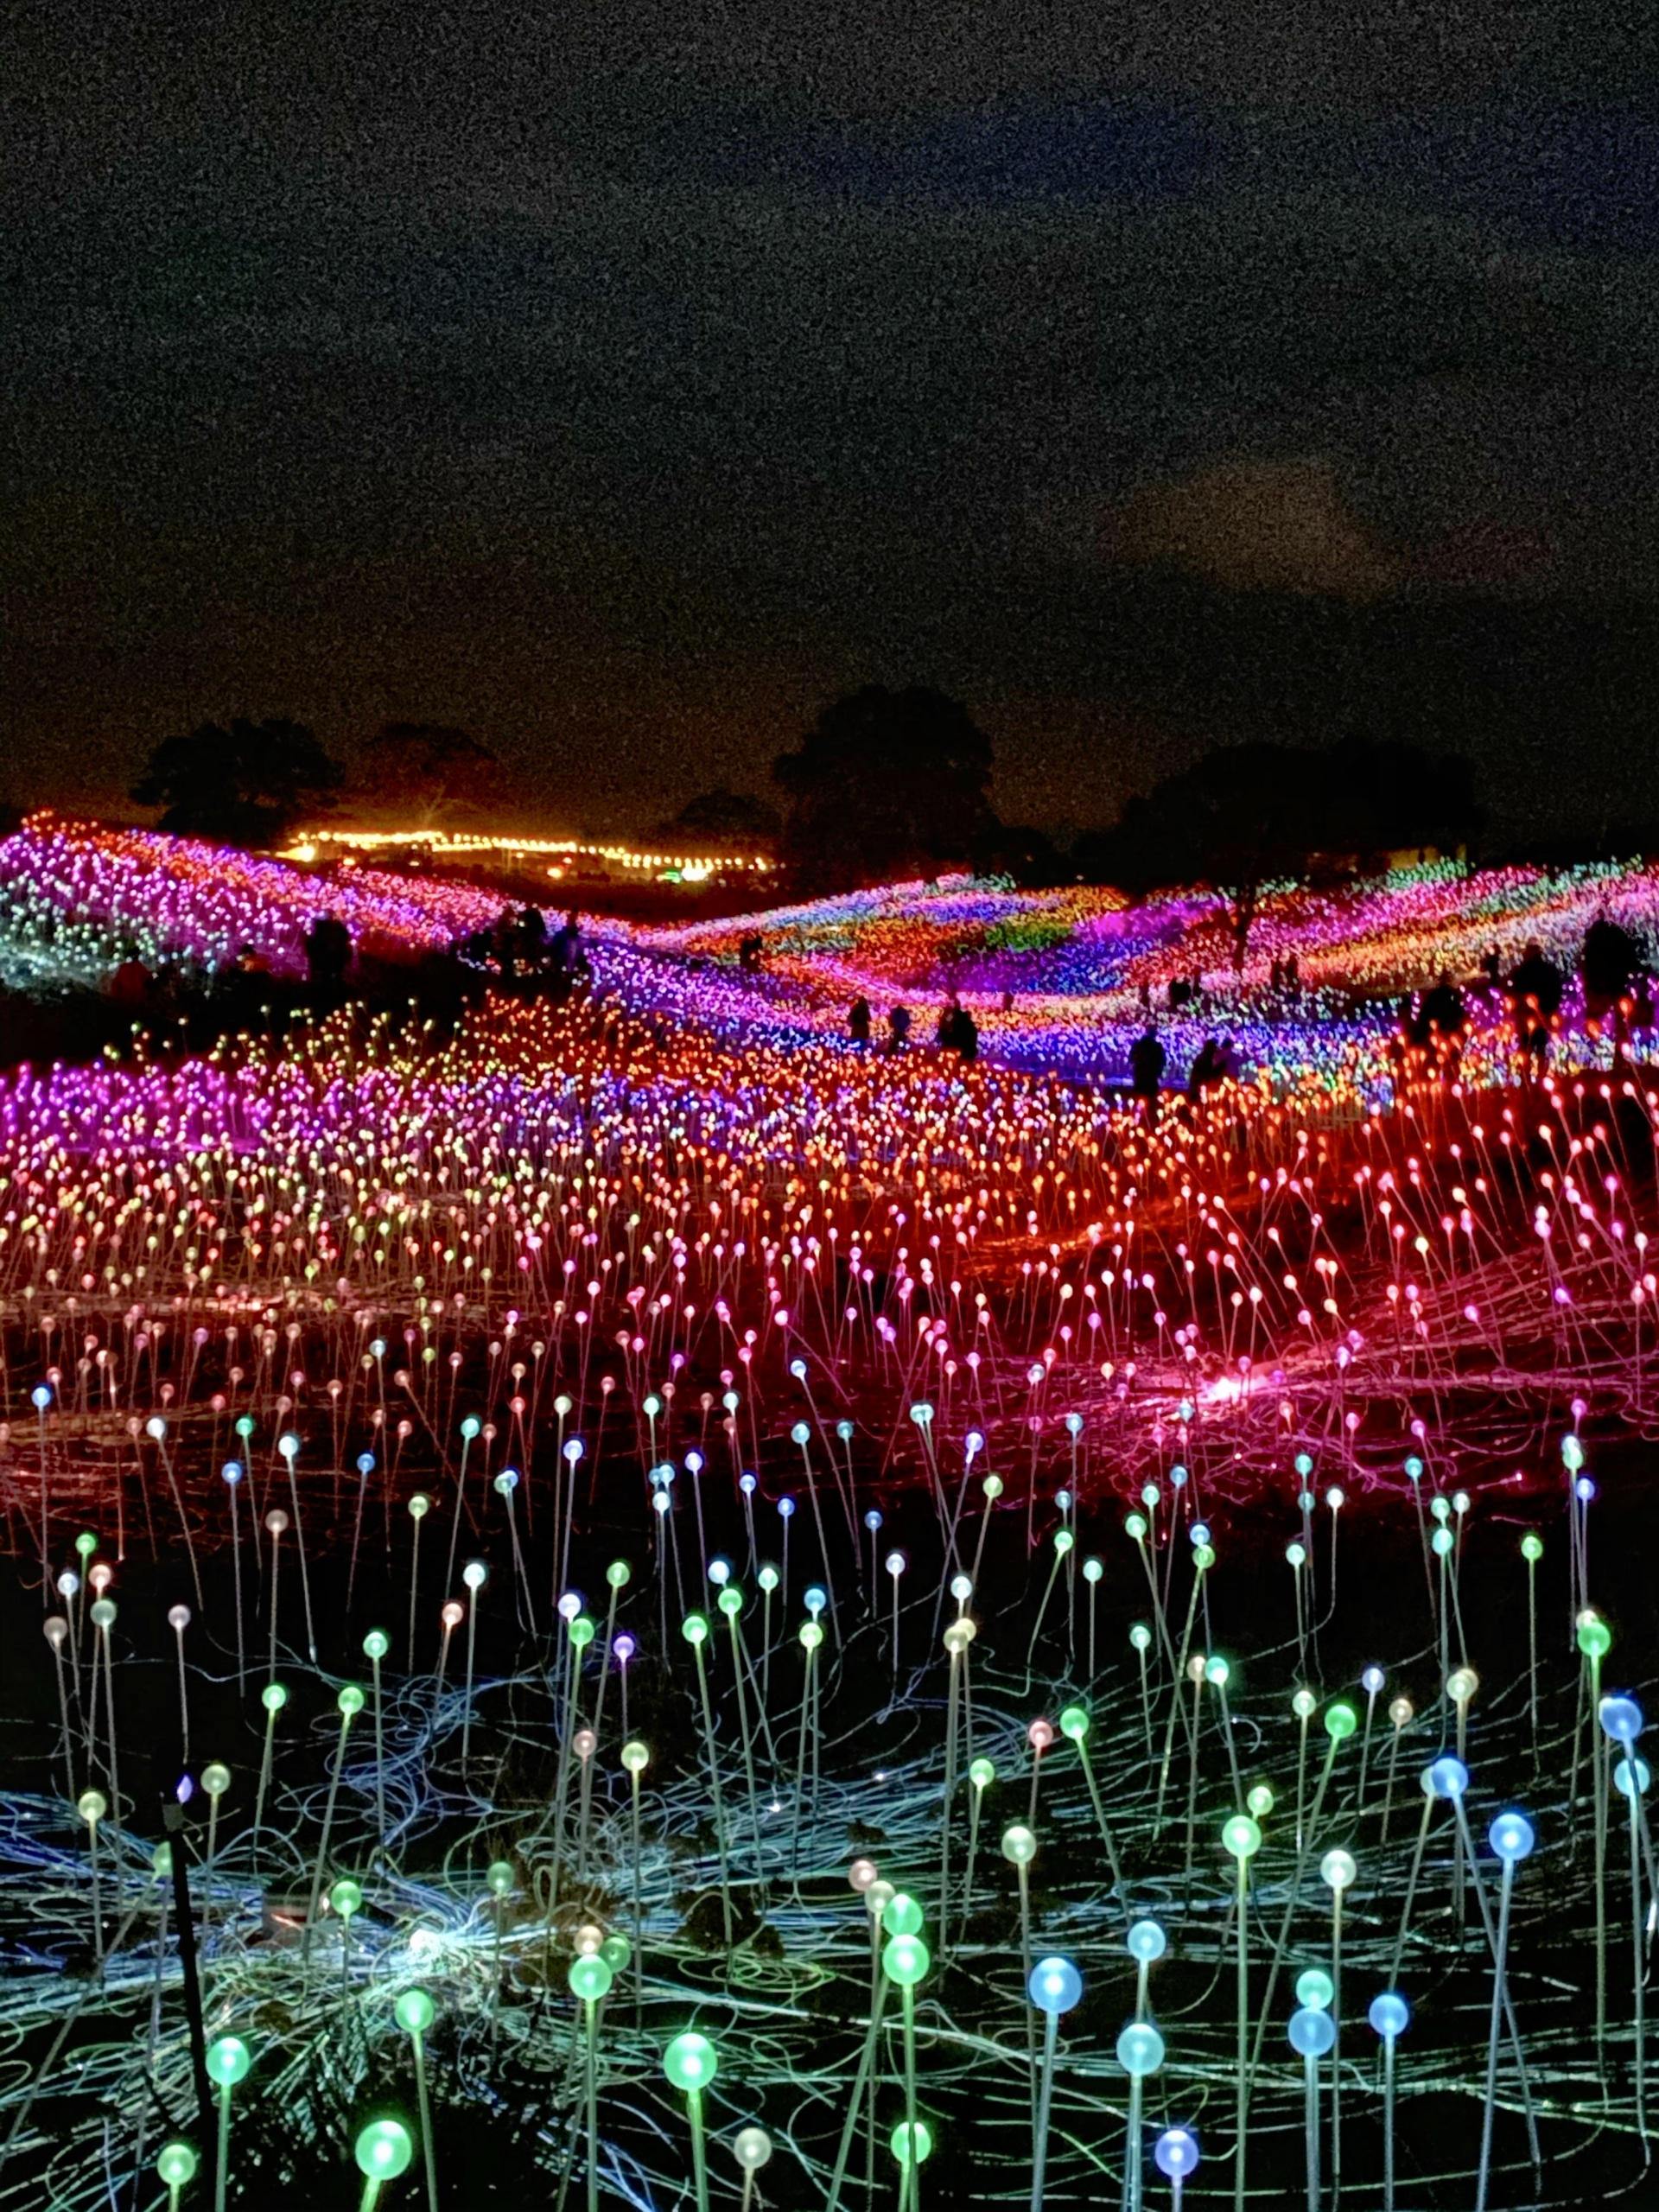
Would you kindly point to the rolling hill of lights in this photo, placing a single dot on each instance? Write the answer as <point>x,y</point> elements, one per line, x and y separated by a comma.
<point>728,1617</point>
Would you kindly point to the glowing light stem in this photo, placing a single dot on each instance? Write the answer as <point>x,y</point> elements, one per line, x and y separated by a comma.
<point>1532,1653</point>
<point>98,1901</point>
<point>590,2005</point>
<point>1638,2022</point>
<point>414,1582</point>
<point>1241,2133</point>
<point>1599,1781</point>
<point>856,2100</point>
<point>105,1654</point>
<point>1388,2043</point>
<point>1175,1693</point>
<point>952,1699</point>
<point>1037,1626</point>
<point>1499,1962</point>
<point>1100,1819</point>
<point>720,1823</point>
<point>1197,1672</point>
<point>327,1829</point>
<point>264,1768</point>
<point>1146,1701</point>
<point>1134,2192</point>
<point>737,1662</point>
<point>1411,1889</point>
<point>913,2164</point>
<point>467,1707</point>
<point>1023,1870</point>
<point>454,1519</point>
<point>1311,2125</point>
<point>1279,1951</point>
<point>69,1790</point>
<point>236,1578</point>
<point>699,2154</point>
<point>812,1644</point>
<point>1388,1791</point>
<point>1045,2105</point>
<point>299,1545</point>
<point>639,1917</point>
<point>1501,1979</point>
<point>561,1787</point>
<point>276,1592</point>
<point>222,2163</point>
<point>1336,2046</point>
<point>424,2103</point>
<point>379,1755</point>
<point>973,1849</point>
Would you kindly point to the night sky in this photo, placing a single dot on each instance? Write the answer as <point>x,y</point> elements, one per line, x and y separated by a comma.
<point>623,382</point>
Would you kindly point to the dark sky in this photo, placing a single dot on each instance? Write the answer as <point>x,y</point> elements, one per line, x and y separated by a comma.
<point>622,382</point>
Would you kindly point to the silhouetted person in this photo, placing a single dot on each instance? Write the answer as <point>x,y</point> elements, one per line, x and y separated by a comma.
<point>1607,963</point>
<point>1226,1062</point>
<point>328,956</point>
<point>945,1034</point>
<point>1535,1001</point>
<point>565,942</point>
<point>858,1021</point>
<point>532,937</point>
<point>130,985</point>
<point>1293,975</point>
<point>1203,1072</point>
<point>967,1036</point>
<point>1445,1018</point>
<point>898,1027</point>
<point>1148,1060</point>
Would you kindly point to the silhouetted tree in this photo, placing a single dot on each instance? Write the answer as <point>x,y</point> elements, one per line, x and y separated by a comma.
<point>1246,815</point>
<point>726,817</point>
<point>424,770</point>
<point>885,782</point>
<point>245,785</point>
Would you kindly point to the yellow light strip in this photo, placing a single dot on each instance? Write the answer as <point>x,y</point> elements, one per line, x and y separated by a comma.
<point>308,845</point>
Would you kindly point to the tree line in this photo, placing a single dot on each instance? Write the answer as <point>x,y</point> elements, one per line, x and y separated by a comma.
<point>887,784</point>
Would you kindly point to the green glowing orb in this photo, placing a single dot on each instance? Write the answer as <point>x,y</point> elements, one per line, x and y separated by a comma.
<point>414,2012</point>
<point>228,2060</point>
<point>1595,1637</point>
<point>1241,1838</point>
<point>384,2149</point>
<point>901,2141</point>
<point>590,1979</point>
<point>690,2061</point>
<point>177,2164</point>
<point>905,1959</point>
